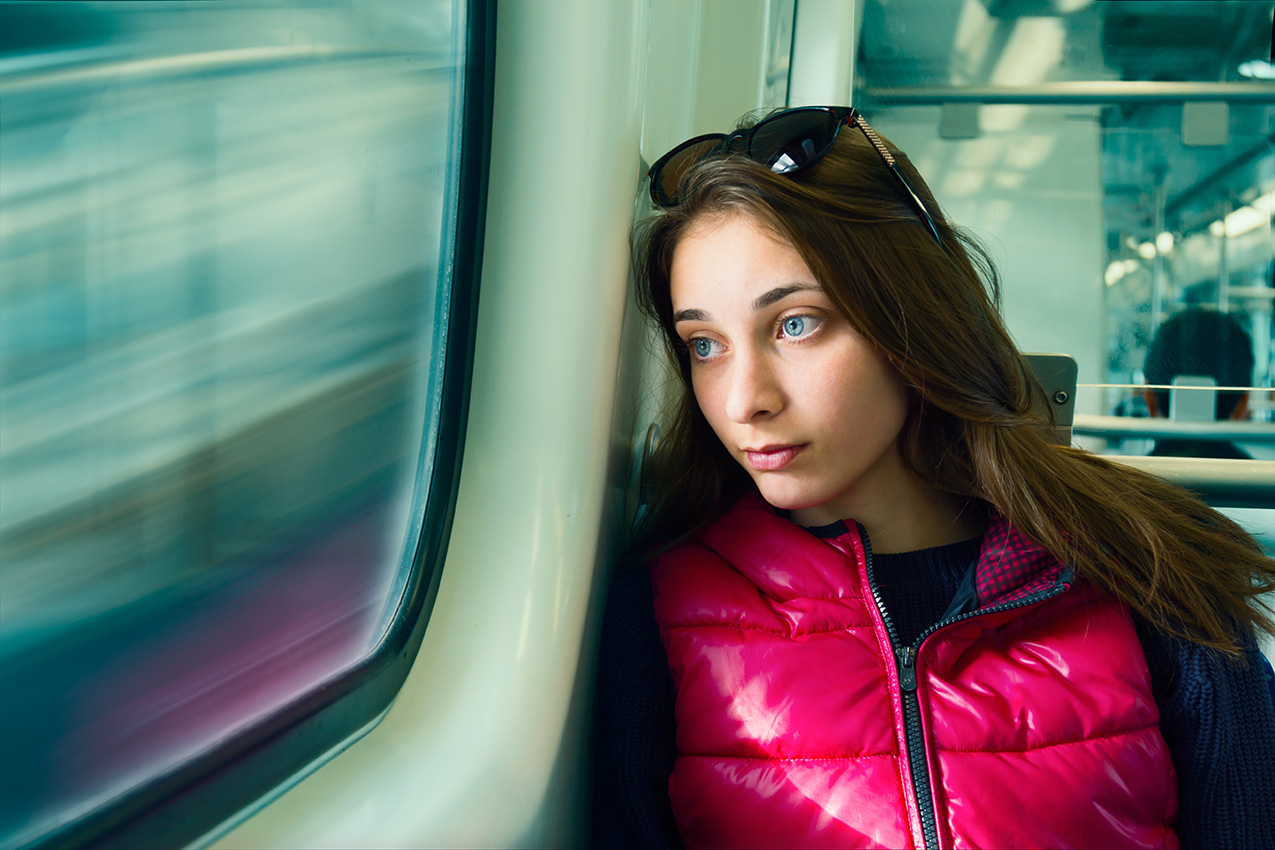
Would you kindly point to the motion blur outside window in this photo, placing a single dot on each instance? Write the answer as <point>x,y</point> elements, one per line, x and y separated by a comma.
<point>223,279</point>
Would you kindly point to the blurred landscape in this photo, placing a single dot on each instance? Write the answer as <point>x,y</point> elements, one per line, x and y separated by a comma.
<point>220,234</point>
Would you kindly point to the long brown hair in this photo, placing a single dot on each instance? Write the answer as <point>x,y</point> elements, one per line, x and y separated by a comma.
<point>973,429</point>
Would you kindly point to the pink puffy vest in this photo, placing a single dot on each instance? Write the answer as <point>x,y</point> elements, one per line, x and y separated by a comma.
<point>1032,719</point>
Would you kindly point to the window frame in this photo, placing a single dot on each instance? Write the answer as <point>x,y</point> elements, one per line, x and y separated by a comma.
<point>207,792</point>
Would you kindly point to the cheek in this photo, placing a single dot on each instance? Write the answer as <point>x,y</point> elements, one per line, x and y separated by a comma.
<point>710,397</point>
<point>864,392</point>
<point>705,395</point>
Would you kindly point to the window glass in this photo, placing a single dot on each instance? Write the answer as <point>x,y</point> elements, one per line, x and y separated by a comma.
<point>1118,160</point>
<point>223,277</point>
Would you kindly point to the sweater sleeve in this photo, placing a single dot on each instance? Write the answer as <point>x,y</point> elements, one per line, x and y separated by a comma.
<point>634,739</point>
<point>1218,719</point>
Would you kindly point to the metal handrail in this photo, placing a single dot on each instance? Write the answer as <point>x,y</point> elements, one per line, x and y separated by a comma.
<point>1221,483</point>
<point>1130,428</point>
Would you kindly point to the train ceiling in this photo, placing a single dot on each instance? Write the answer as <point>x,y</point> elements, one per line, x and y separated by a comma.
<point>915,43</point>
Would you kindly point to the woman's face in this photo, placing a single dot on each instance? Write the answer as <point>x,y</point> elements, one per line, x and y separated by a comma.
<point>803,402</point>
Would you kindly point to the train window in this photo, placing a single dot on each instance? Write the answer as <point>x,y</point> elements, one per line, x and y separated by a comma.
<point>1119,160</point>
<point>237,277</point>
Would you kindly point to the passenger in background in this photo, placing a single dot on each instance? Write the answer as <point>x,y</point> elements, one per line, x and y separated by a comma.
<point>872,604</point>
<point>1208,344</point>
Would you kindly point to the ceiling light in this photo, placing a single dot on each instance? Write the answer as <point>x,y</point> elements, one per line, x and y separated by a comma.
<point>1248,217</point>
<point>1034,49</point>
<point>1258,69</point>
<point>1146,251</point>
<point>1245,219</point>
<point>1114,272</point>
<point>1164,242</point>
<point>973,30</point>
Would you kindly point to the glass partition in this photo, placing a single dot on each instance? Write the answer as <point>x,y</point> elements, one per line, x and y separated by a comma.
<point>1118,158</point>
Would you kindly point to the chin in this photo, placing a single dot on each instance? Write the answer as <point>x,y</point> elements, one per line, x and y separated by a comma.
<point>788,495</point>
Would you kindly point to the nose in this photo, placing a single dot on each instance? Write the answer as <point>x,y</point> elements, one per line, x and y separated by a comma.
<point>754,390</point>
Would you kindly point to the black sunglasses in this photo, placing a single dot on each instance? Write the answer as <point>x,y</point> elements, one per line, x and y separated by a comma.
<point>788,142</point>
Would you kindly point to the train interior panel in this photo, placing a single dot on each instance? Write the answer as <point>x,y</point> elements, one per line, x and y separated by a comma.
<point>324,397</point>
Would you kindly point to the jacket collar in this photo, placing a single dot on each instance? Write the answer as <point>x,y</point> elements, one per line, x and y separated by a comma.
<point>785,560</point>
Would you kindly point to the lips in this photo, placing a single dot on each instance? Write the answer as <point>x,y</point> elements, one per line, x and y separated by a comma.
<point>772,458</point>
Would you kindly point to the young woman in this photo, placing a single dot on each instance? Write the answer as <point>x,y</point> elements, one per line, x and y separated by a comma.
<point>874,605</point>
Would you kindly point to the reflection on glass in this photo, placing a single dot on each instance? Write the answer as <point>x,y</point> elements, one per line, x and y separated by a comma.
<point>1191,355</point>
<point>1195,249</point>
<point>219,274</point>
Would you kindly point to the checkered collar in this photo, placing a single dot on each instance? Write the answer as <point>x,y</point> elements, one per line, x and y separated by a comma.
<point>1009,567</point>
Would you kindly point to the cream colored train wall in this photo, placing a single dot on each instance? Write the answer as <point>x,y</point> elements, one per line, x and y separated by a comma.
<point>486,744</point>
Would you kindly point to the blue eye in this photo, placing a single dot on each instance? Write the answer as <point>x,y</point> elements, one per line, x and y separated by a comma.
<point>702,347</point>
<point>795,327</point>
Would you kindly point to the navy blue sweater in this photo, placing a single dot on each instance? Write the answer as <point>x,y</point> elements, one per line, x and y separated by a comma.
<point>1218,717</point>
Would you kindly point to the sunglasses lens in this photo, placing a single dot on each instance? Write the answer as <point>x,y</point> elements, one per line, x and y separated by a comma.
<point>666,177</point>
<point>793,140</point>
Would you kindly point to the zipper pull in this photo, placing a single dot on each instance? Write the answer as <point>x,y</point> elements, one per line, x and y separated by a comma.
<point>907,673</point>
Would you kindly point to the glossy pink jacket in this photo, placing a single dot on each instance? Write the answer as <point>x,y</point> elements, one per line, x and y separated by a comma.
<point>1034,712</point>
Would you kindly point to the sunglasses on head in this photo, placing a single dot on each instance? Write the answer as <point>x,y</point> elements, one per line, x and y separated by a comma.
<point>788,142</point>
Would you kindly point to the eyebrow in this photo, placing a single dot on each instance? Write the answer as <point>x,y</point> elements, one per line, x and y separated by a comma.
<point>780,293</point>
<point>761,302</point>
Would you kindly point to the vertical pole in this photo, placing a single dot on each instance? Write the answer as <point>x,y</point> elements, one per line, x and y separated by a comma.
<point>1157,265</point>
<point>1224,263</point>
<point>825,45</point>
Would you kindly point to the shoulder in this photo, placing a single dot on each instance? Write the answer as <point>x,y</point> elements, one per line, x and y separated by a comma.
<point>634,687</point>
<point>629,596</point>
<point>634,729</point>
<point>1214,709</point>
<point>630,636</point>
<point>1217,715</point>
<point>1184,670</point>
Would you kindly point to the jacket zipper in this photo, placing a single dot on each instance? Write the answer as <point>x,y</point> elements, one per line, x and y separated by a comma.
<point>905,658</point>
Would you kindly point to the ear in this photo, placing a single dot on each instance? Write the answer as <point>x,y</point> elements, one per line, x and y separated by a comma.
<point>1240,413</point>
<point>1149,397</point>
